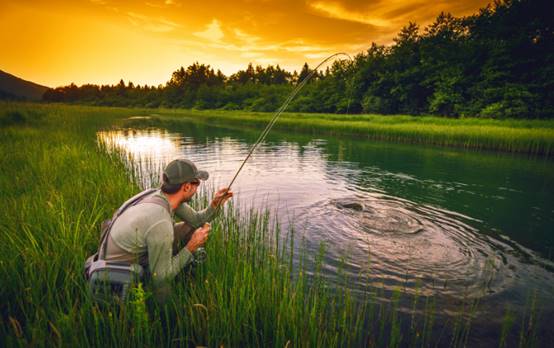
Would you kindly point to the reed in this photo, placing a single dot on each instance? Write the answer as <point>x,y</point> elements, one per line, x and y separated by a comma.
<point>521,136</point>
<point>57,184</point>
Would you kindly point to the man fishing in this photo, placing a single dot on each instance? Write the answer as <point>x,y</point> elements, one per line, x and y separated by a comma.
<point>144,232</point>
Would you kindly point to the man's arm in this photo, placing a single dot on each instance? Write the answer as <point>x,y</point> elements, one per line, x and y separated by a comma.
<point>193,217</point>
<point>163,265</point>
<point>198,218</point>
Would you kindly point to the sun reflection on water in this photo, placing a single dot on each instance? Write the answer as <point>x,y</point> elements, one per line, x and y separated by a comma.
<point>146,152</point>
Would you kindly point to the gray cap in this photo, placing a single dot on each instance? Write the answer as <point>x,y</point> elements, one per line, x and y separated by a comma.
<point>182,170</point>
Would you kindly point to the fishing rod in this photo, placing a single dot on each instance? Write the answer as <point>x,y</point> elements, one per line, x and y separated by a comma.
<point>200,255</point>
<point>282,108</point>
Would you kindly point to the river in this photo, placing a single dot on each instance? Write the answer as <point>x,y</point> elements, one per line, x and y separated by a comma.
<point>453,223</point>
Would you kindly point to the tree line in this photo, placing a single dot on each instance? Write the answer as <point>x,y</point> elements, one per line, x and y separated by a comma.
<point>496,63</point>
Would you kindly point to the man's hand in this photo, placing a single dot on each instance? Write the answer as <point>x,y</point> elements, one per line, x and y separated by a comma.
<point>221,197</point>
<point>199,237</point>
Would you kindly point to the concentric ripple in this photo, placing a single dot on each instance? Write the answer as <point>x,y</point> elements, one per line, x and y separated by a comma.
<point>382,219</point>
<point>371,235</point>
<point>425,248</point>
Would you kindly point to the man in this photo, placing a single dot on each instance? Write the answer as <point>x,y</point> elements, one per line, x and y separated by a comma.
<point>146,233</point>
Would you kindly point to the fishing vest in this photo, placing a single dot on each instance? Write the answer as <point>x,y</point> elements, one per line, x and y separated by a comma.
<point>108,278</point>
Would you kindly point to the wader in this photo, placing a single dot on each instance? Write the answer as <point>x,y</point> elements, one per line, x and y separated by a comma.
<point>112,271</point>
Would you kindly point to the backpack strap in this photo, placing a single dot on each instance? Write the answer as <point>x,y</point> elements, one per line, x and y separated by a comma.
<point>159,200</point>
<point>131,202</point>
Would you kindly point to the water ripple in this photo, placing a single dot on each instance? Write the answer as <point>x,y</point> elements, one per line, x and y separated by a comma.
<point>402,238</point>
<point>373,235</point>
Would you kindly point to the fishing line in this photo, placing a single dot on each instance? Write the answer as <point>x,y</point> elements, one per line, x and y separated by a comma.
<point>282,108</point>
<point>200,255</point>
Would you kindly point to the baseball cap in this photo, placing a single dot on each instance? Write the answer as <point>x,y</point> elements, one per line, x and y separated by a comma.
<point>182,170</point>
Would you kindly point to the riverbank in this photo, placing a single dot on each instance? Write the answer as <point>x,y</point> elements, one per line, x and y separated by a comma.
<point>532,137</point>
<point>535,137</point>
<point>57,185</point>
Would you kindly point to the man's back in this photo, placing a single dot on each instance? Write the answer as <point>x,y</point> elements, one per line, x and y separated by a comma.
<point>129,232</point>
<point>144,234</point>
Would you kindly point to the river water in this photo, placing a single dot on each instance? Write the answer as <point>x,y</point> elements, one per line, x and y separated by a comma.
<point>447,222</point>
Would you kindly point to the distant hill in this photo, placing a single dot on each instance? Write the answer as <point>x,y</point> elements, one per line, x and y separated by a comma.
<point>12,87</point>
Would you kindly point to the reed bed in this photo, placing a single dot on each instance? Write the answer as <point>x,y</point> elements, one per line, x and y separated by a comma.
<point>57,184</point>
<point>534,137</point>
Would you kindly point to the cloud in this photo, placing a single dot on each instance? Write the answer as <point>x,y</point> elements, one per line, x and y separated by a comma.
<point>158,25</point>
<point>320,55</point>
<point>241,35</point>
<point>212,33</point>
<point>338,11</point>
<point>151,4</point>
<point>300,45</point>
<point>230,34</point>
<point>288,32</point>
<point>243,48</point>
<point>251,55</point>
<point>268,61</point>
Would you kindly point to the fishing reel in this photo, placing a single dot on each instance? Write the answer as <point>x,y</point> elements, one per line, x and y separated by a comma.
<point>199,256</point>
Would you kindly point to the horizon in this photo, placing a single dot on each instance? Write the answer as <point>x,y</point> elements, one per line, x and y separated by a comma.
<point>100,42</point>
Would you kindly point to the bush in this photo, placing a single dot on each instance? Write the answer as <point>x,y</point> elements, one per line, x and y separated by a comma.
<point>512,101</point>
<point>201,105</point>
<point>231,106</point>
<point>302,104</point>
<point>373,104</point>
<point>445,103</point>
<point>504,109</point>
<point>493,110</point>
<point>153,104</point>
<point>10,118</point>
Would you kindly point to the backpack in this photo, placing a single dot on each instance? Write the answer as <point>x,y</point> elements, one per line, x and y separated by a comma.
<point>112,278</point>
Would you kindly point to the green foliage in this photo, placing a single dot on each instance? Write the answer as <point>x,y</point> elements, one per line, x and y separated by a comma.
<point>498,63</point>
<point>139,312</point>
<point>510,135</point>
<point>508,321</point>
<point>513,101</point>
<point>231,106</point>
<point>372,104</point>
<point>12,118</point>
<point>57,185</point>
<point>447,100</point>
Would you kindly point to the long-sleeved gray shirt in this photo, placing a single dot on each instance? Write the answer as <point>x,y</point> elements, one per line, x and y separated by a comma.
<point>144,232</point>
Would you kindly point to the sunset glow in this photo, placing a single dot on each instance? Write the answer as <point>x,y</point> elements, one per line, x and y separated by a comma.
<point>101,41</point>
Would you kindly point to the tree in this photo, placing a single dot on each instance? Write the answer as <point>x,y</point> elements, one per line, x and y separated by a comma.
<point>304,72</point>
<point>496,63</point>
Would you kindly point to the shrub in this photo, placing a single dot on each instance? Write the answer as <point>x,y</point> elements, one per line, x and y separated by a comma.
<point>10,118</point>
<point>231,106</point>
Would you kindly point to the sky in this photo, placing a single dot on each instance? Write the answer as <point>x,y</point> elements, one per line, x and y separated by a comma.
<point>57,42</point>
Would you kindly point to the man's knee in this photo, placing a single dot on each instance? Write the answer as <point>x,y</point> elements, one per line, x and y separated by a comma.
<point>182,232</point>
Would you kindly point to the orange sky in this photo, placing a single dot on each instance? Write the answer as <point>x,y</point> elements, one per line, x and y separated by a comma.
<point>56,42</point>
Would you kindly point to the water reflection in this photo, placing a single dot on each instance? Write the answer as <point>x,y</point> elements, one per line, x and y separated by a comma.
<point>141,145</point>
<point>146,151</point>
<point>388,215</point>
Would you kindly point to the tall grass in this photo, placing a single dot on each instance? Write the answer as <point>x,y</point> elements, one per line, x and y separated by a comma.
<point>523,136</point>
<point>57,185</point>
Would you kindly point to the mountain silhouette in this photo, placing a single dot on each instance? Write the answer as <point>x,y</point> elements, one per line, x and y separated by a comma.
<point>15,88</point>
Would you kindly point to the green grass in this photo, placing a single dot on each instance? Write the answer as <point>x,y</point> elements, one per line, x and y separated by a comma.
<point>57,185</point>
<point>523,136</point>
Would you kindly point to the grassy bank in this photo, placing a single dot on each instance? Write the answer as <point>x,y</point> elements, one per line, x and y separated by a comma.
<point>523,136</point>
<point>57,185</point>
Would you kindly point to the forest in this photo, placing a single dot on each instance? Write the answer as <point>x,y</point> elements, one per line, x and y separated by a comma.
<point>497,63</point>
